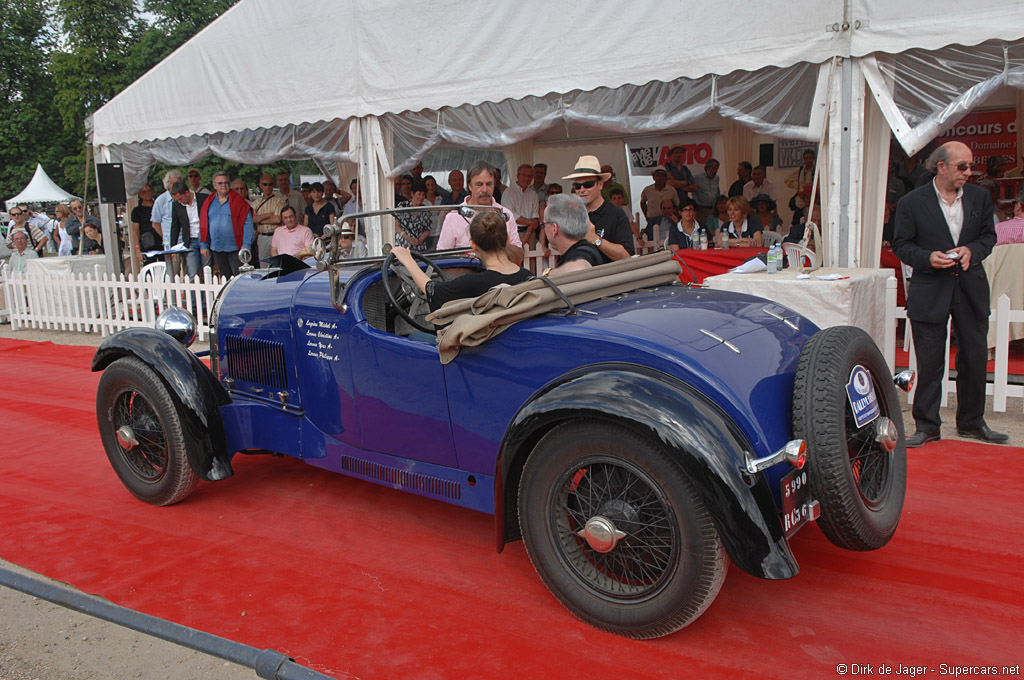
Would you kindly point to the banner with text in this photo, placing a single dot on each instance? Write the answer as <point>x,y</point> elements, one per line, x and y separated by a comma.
<point>988,133</point>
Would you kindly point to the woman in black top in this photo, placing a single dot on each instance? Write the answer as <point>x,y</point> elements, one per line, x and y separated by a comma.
<point>488,236</point>
<point>319,213</point>
<point>146,237</point>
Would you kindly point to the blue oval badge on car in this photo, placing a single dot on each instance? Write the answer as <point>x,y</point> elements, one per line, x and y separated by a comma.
<point>861,392</point>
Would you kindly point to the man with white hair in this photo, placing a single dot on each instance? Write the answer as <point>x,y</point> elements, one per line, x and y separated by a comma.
<point>162,214</point>
<point>225,226</point>
<point>21,223</point>
<point>20,253</point>
<point>566,224</point>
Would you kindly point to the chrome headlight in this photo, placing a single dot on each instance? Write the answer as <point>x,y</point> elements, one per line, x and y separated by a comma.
<point>179,324</point>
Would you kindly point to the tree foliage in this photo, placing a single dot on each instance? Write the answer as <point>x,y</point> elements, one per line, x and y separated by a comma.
<point>61,60</point>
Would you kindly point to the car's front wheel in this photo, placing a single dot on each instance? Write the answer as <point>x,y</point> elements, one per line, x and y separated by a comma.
<point>143,434</point>
<point>616,531</point>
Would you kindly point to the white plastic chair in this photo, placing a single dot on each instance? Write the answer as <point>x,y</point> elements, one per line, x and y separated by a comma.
<point>153,272</point>
<point>770,238</point>
<point>795,254</point>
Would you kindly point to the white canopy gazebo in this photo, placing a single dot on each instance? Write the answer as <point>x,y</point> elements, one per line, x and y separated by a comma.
<point>374,84</point>
<point>41,189</point>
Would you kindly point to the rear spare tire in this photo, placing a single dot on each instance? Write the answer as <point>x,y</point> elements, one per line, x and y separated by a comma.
<point>857,472</point>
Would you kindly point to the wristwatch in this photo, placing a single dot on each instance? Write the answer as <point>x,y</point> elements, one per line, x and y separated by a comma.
<point>598,242</point>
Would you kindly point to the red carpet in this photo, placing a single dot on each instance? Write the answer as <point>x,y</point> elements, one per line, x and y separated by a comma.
<point>356,580</point>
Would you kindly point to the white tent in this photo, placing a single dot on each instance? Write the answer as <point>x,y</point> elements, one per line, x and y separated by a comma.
<point>381,83</point>
<point>40,190</point>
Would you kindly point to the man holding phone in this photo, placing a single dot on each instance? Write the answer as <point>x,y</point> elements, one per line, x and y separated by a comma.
<point>944,230</point>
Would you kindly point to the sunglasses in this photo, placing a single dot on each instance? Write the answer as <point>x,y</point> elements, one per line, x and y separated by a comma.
<point>266,184</point>
<point>15,214</point>
<point>963,167</point>
<point>193,174</point>
<point>589,184</point>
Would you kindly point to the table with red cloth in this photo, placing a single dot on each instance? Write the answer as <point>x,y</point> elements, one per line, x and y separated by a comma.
<point>705,263</point>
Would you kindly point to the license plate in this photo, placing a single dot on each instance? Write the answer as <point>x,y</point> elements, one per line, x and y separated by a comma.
<point>797,506</point>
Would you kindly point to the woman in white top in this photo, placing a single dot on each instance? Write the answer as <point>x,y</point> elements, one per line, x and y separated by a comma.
<point>60,232</point>
<point>744,231</point>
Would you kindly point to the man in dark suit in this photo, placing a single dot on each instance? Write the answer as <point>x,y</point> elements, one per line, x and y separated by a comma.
<point>944,229</point>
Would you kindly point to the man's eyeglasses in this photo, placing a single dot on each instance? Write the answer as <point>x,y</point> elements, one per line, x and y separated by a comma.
<point>589,184</point>
<point>544,224</point>
<point>193,174</point>
<point>963,167</point>
<point>266,184</point>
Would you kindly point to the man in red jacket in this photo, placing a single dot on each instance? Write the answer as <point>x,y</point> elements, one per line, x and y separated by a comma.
<point>225,226</point>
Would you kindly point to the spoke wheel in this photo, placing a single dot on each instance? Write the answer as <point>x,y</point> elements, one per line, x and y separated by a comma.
<point>857,473</point>
<point>616,531</point>
<point>142,433</point>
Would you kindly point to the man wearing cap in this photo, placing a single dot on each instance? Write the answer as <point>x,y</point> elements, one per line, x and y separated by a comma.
<point>567,224</point>
<point>292,238</point>
<point>610,230</point>
<point>654,196</point>
<point>679,176</point>
<point>455,229</point>
<point>348,247</point>
<point>521,199</point>
<point>195,183</point>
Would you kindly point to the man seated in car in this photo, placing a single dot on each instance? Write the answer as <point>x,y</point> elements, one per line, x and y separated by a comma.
<point>566,223</point>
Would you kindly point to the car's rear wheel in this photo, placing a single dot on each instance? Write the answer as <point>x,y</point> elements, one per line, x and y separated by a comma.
<point>857,472</point>
<point>143,434</point>
<point>616,531</point>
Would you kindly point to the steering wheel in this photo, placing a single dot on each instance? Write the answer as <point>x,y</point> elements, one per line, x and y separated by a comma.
<point>408,299</point>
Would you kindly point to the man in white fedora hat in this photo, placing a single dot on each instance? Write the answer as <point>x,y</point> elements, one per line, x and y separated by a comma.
<point>609,226</point>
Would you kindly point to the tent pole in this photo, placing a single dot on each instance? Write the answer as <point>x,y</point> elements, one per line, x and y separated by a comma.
<point>846,113</point>
<point>85,200</point>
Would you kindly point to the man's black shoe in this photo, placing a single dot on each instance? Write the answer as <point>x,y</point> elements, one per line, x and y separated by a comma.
<point>984,433</point>
<point>920,438</point>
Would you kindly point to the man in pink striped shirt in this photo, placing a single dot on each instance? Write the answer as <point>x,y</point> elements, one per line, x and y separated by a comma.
<point>1012,230</point>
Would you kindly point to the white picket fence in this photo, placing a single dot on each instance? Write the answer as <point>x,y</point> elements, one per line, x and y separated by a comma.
<point>96,302</point>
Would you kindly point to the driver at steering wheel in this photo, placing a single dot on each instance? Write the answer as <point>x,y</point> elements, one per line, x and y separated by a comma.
<point>488,237</point>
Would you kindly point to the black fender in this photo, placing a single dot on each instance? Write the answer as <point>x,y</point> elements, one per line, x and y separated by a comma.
<point>195,389</point>
<point>705,442</point>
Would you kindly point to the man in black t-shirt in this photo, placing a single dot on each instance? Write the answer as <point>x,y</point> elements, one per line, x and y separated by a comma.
<point>566,226</point>
<point>610,231</point>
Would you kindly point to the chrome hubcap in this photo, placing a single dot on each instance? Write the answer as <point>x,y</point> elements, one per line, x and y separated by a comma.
<point>126,438</point>
<point>886,433</point>
<point>601,534</point>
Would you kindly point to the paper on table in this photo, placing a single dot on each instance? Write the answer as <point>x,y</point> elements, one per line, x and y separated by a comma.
<point>831,277</point>
<point>751,266</point>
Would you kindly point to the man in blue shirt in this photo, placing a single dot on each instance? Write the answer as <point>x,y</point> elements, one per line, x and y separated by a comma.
<point>225,226</point>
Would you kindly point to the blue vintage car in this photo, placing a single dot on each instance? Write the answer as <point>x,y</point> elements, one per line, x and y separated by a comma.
<point>634,441</point>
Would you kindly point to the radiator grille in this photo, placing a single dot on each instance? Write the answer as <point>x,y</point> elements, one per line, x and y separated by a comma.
<point>401,479</point>
<point>256,361</point>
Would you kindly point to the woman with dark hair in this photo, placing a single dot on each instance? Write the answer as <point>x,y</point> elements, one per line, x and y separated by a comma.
<point>319,212</point>
<point>744,230</point>
<point>683,233</point>
<point>413,229</point>
<point>488,236</point>
<point>718,216</point>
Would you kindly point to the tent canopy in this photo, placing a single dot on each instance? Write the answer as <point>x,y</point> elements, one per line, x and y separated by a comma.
<point>380,57</point>
<point>40,190</point>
